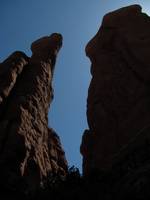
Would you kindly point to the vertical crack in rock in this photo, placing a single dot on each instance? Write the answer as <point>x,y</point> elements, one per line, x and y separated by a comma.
<point>29,150</point>
<point>118,104</point>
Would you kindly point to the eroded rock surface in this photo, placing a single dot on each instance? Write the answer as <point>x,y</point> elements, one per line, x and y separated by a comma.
<point>29,150</point>
<point>118,104</point>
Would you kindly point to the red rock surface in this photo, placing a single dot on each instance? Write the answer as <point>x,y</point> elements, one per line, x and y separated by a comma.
<point>29,150</point>
<point>118,104</point>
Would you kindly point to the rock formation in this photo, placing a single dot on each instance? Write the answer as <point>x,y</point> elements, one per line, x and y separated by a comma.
<point>118,104</point>
<point>29,150</point>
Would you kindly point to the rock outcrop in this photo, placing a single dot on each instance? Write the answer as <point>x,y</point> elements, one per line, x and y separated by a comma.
<point>29,150</point>
<point>118,104</point>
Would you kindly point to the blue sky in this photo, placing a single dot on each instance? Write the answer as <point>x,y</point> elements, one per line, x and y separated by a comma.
<point>23,21</point>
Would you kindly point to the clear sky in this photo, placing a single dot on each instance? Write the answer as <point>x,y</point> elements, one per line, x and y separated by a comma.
<point>23,21</point>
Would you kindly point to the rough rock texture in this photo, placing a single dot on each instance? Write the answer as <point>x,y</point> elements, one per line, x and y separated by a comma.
<point>29,150</point>
<point>118,104</point>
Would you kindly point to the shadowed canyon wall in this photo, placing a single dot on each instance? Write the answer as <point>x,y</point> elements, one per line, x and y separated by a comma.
<point>118,104</point>
<point>29,150</point>
<point>32,160</point>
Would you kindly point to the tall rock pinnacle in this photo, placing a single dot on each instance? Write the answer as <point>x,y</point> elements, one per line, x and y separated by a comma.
<point>118,104</point>
<point>29,150</point>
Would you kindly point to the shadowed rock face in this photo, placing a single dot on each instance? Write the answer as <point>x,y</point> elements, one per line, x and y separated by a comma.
<point>29,150</point>
<point>118,104</point>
